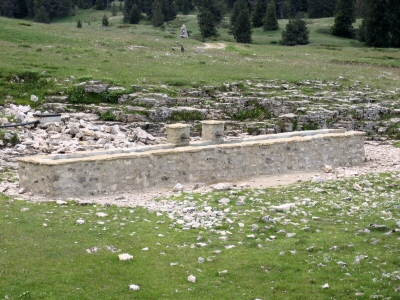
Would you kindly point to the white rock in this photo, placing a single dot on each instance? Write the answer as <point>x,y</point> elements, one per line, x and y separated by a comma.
<point>125,256</point>
<point>192,279</point>
<point>317,179</point>
<point>290,235</point>
<point>284,207</point>
<point>24,209</point>
<point>34,98</point>
<point>325,286</point>
<point>178,188</point>
<point>357,187</point>
<point>61,202</point>
<point>229,246</point>
<point>200,260</point>
<point>145,249</point>
<point>327,168</point>
<point>222,186</point>
<point>101,214</point>
<point>134,287</point>
<point>80,221</point>
<point>224,201</point>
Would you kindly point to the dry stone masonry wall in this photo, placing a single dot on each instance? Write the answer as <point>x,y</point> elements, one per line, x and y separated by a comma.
<point>119,170</point>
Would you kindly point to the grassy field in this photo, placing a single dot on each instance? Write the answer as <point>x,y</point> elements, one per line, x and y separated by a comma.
<point>132,54</point>
<point>326,239</point>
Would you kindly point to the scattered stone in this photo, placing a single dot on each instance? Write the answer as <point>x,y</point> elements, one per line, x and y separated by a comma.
<point>61,202</point>
<point>192,279</point>
<point>34,98</point>
<point>284,207</point>
<point>80,221</point>
<point>222,186</point>
<point>101,214</point>
<point>201,260</point>
<point>327,169</point>
<point>24,209</point>
<point>125,256</point>
<point>357,187</point>
<point>134,287</point>
<point>325,286</point>
<point>178,188</point>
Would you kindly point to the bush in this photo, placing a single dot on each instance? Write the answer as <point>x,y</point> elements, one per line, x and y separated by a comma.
<point>295,33</point>
<point>108,116</point>
<point>79,24</point>
<point>104,21</point>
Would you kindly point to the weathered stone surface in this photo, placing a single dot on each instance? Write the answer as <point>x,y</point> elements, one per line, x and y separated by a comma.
<point>162,165</point>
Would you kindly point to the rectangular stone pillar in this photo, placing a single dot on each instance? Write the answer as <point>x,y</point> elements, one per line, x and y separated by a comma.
<point>178,134</point>
<point>213,131</point>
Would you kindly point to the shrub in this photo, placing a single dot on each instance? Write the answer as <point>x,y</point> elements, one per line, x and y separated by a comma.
<point>79,24</point>
<point>108,116</point>
<point>104,21</point>
<point>295,33</point>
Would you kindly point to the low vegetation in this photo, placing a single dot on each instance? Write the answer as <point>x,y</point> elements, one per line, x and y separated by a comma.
<point>338,241</point>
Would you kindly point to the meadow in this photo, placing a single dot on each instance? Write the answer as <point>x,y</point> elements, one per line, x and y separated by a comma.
<point>60,53</point>
<point>338,241</point>
<point>324,247</point>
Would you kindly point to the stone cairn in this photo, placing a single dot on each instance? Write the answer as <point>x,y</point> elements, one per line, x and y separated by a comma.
<point>184,32</point>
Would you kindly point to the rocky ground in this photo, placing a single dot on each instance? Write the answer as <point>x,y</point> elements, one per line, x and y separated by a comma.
<point>81,131</point>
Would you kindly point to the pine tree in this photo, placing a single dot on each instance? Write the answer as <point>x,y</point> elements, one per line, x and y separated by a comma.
<point>185,7</point>
<point>100,5</point>
<point>394,18</point>
<point>158,16</point>
<point>128,4</point>
<point>114,9</point>
<point>321,8</point>
<point>375,30</point>
<point>270,19</point>
<point>259,13</point>
<point>238,7</point>
<point>295,33</point>
<point>242,31</point>
<point>104,21</point>
<point>135,15</point>
<point>206,24</point>
<point>41,16</point>
<point>344,18</point>
<point>79,24</point>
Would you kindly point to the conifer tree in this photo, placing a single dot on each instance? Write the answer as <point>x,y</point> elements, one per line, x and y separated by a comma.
<point>242,31</point>
<point>42,16</point>
<point>206,24</point>
<point>185,7</point>
<point>259,13</point>
<point>375,30</point>
<point>270,19</point>
<point>134,16</point>
<point>114,9</point>
<point>238,7</point>
<point>158,16</point>
<point>321,8</point>
<point>394,18</point>
<point>104,21</point>
<point>295,33</point>
<point>344,18</point>
<point>79,24</point>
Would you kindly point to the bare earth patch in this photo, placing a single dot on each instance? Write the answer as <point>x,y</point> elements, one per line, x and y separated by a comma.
<point>213,46</point>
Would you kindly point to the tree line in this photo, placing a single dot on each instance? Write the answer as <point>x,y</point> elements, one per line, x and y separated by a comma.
<point>380,26</point>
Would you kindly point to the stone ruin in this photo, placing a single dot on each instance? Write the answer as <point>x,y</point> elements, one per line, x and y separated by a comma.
<point>214,158</point>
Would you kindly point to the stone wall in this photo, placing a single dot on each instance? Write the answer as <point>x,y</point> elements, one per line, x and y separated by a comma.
<point>91,173</point>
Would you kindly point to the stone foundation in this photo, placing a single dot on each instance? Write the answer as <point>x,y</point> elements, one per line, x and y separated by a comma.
<point>120,170</point>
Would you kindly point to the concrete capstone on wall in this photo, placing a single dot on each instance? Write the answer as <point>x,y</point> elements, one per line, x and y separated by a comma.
<point>98,172</point>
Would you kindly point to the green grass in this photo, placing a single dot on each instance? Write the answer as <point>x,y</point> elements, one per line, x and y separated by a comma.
<point>43,250</point>
<point>134,54</point>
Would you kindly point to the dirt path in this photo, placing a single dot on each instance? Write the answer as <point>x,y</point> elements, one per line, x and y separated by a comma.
<point>213,46</point>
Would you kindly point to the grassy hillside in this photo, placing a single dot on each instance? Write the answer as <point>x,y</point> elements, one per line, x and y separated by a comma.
<point>131,54</point>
